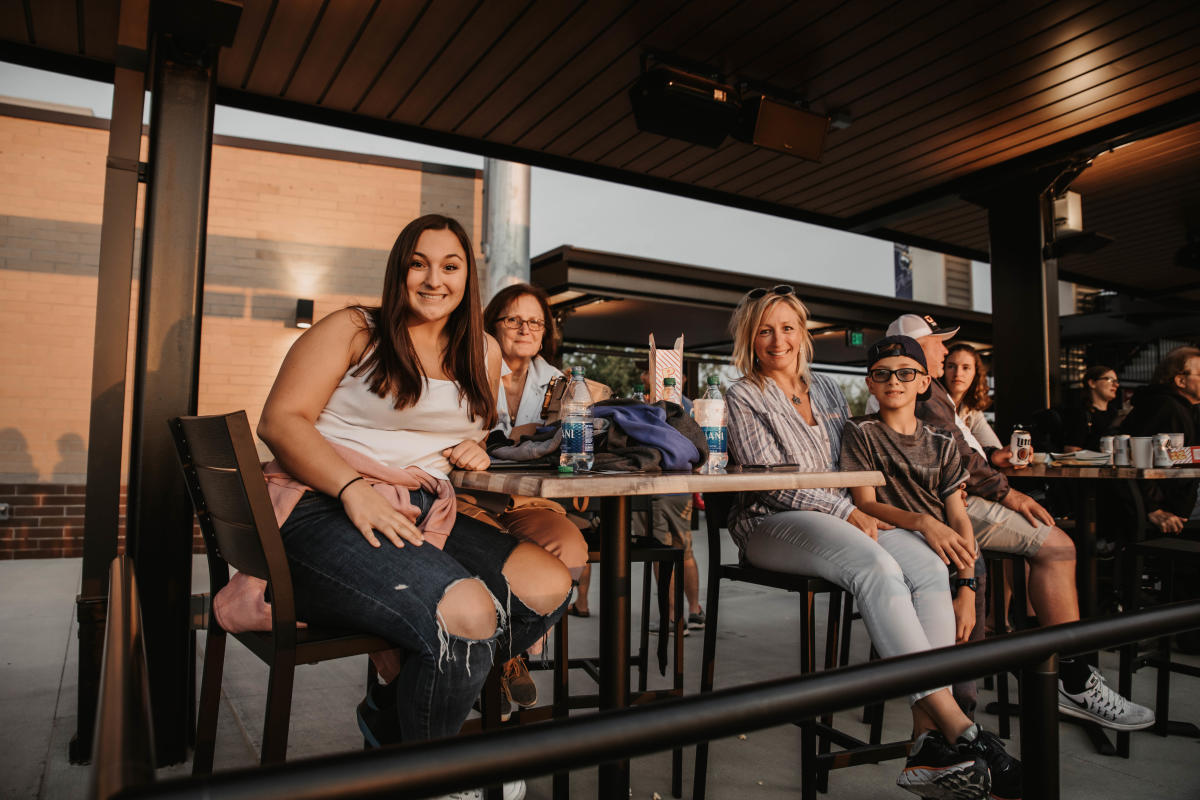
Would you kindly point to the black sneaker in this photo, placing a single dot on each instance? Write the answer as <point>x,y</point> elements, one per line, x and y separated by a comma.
<point>936,770</point>
<point>695,621</point>
<point>1005,771</point>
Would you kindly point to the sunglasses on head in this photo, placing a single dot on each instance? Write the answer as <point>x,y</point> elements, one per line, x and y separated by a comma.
<point>783,290</point>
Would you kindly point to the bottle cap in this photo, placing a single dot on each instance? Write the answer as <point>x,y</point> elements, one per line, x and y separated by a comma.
<point>565,469</point>
<point>668,381</point>
<point>713,380</point>
<point>576,370</point>
<point>637,387</point>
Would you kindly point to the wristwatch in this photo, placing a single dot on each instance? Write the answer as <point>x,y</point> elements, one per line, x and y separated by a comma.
<point>970,583</point>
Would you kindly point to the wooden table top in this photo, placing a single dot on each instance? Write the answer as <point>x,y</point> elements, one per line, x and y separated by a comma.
<point>548,483</point>
<point>1158,473</point>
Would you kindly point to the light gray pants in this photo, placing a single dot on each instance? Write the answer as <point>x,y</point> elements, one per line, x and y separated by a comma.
<point>901,586</point>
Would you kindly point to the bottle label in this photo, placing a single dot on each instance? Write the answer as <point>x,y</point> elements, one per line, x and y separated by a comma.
<point>576,436</point>
<point>716,439</point>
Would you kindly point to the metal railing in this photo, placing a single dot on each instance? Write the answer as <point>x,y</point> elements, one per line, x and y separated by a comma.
<point>123,743</point>
<point>437,767</point>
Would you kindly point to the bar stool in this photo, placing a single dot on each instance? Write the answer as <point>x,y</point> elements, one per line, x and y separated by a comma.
<point>816,736</point>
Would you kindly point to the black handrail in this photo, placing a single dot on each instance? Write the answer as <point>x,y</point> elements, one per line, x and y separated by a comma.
<point>123,742</point>
<point>438,767</point>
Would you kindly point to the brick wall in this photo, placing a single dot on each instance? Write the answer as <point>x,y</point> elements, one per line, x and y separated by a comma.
<point>46,521</point>
<point>285,223</point>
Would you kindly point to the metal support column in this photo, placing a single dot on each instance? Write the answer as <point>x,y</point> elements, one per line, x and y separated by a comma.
<point>1024,306</point>
<point>165,380</point>
<point>1039,730</point>
<point>505,224</point>
<point>109,355</point>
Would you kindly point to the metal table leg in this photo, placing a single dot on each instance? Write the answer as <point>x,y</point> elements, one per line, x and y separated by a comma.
<point>614,628</point>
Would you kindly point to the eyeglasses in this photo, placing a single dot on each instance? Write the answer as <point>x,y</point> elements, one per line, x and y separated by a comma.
<point>783,290</point>
<point>904,374</point>
<point>514,323</point>
<point>1113,381</point>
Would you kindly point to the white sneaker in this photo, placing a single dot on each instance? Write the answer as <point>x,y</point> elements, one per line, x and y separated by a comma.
<point>1100,704</point>
<point>512,791</point>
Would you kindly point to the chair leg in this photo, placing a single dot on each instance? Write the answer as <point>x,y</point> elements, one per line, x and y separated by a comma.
<point>562,687</point>
<point>279,708</point>
<point>210,702</point>
<point>643,655</point>
<point>808,729</point>
<point>832,641</point>
<point>707,668</point>
<point>681,612</point>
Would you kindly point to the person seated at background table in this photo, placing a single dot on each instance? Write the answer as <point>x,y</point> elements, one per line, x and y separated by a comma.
<point>520,319</point>
<point>1094,414</point>
<point>1010,521</point>
<point>780,412</point>
<point>371,409</point>
<point>965,379</point>
<point>922,497</point>
<point>1170,404</point>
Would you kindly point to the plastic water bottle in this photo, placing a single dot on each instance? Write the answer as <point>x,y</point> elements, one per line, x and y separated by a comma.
<point>670,392</point>
<point>577,425</point>
<point>639,393</point>
<point>709,411</point>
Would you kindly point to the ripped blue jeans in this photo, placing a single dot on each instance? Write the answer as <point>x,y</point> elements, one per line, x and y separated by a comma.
<point>341,581</point>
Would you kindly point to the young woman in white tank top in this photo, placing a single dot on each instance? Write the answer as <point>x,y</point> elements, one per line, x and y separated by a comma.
<point>371,409</point>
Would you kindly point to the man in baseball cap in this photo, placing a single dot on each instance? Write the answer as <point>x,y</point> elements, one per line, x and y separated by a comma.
<point>1010,521</point>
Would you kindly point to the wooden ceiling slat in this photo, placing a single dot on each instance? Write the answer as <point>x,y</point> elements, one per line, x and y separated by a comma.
<point>480,36</point>
<point>99,28</point>
<point>233,63</point>
<point>14,26</point>
<point>579,79</point>
<point>340,25</point>
<point>1065,85</point>
<point>582,28</point>
<point>386,32</point>
<point>283,46</point>
<point>429,37</point>
<point>1005,78</point>
<point>497,68</point>
<point>590,115</point>
<point>54,25</point>
<point>657,154</point>
<point>1096,107</point>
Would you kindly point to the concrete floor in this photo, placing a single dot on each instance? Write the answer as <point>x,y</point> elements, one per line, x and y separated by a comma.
<point>757,641</point>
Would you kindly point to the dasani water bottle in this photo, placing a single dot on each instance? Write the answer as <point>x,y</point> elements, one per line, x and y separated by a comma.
<point>709,412</point>
<point>577,425</point>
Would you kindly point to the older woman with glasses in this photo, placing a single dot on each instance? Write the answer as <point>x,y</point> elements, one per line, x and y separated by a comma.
<point>780,412</point>
<point>519,317</point>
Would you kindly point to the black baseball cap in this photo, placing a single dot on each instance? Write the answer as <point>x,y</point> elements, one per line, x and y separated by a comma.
<point>890,346</point>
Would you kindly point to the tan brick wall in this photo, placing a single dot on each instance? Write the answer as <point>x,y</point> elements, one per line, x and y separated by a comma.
<point>282,226</point>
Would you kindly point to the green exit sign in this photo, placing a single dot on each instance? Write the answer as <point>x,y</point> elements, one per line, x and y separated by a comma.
<point>854,338</point>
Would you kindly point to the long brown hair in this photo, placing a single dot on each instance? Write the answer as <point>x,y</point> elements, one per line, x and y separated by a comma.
<point>511,294</point>
<point>391,365</point>
<point>976,396</point>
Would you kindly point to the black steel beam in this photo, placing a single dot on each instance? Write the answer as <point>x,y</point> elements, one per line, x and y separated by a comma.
<point>159,533</point>
<point>1024,308</point>
<point>101,516</point>
<point>432,768</point>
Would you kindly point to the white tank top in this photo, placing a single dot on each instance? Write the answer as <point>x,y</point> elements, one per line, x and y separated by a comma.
<point>357,418</point>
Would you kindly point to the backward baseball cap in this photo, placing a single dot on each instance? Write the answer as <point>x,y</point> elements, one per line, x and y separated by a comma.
<point>916,326</point>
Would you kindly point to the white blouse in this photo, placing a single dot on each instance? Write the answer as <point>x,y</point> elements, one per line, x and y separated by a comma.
<point>530,408</point>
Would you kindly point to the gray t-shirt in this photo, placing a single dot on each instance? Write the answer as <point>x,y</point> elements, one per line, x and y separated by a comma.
<point>919,471</point>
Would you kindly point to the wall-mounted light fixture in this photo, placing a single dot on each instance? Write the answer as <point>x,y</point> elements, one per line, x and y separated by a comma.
<point>304,313</point>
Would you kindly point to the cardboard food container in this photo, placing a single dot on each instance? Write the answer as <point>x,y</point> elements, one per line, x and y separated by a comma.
<point>664,364</point>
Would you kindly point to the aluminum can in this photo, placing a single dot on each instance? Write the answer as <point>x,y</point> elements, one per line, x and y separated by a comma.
<point>1121,450</point>
<point>1021,445</point>
<point>1162,450</point>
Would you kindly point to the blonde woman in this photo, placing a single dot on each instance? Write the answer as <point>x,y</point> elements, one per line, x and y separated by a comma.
<point>780,412</point>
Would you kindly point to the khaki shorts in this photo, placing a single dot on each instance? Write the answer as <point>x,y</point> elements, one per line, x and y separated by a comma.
<point>672,521</point>
<point>1000,528</point>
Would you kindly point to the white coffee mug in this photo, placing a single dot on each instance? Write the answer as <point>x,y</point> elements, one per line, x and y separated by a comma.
<point>1141,451</point>
<point>1176,440</point>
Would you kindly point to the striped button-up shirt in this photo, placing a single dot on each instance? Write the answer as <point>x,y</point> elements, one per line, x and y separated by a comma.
<point>764,428</point>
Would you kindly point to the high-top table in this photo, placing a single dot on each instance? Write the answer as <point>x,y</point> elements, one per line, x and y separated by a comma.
<point>614,491</point>
<point>1086,481</point>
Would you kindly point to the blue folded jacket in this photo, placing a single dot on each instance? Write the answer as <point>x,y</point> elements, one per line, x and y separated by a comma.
<point>648,425</point>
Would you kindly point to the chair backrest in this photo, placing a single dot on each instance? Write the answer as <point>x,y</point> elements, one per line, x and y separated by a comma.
<point>229,494</point>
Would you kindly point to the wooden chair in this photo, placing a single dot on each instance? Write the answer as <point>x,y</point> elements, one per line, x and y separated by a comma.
<point>816,736</point>
<point>229,494</point>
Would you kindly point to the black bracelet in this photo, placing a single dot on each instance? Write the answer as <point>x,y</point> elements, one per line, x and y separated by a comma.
<point>347,486</point>
<point>959,583</point>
